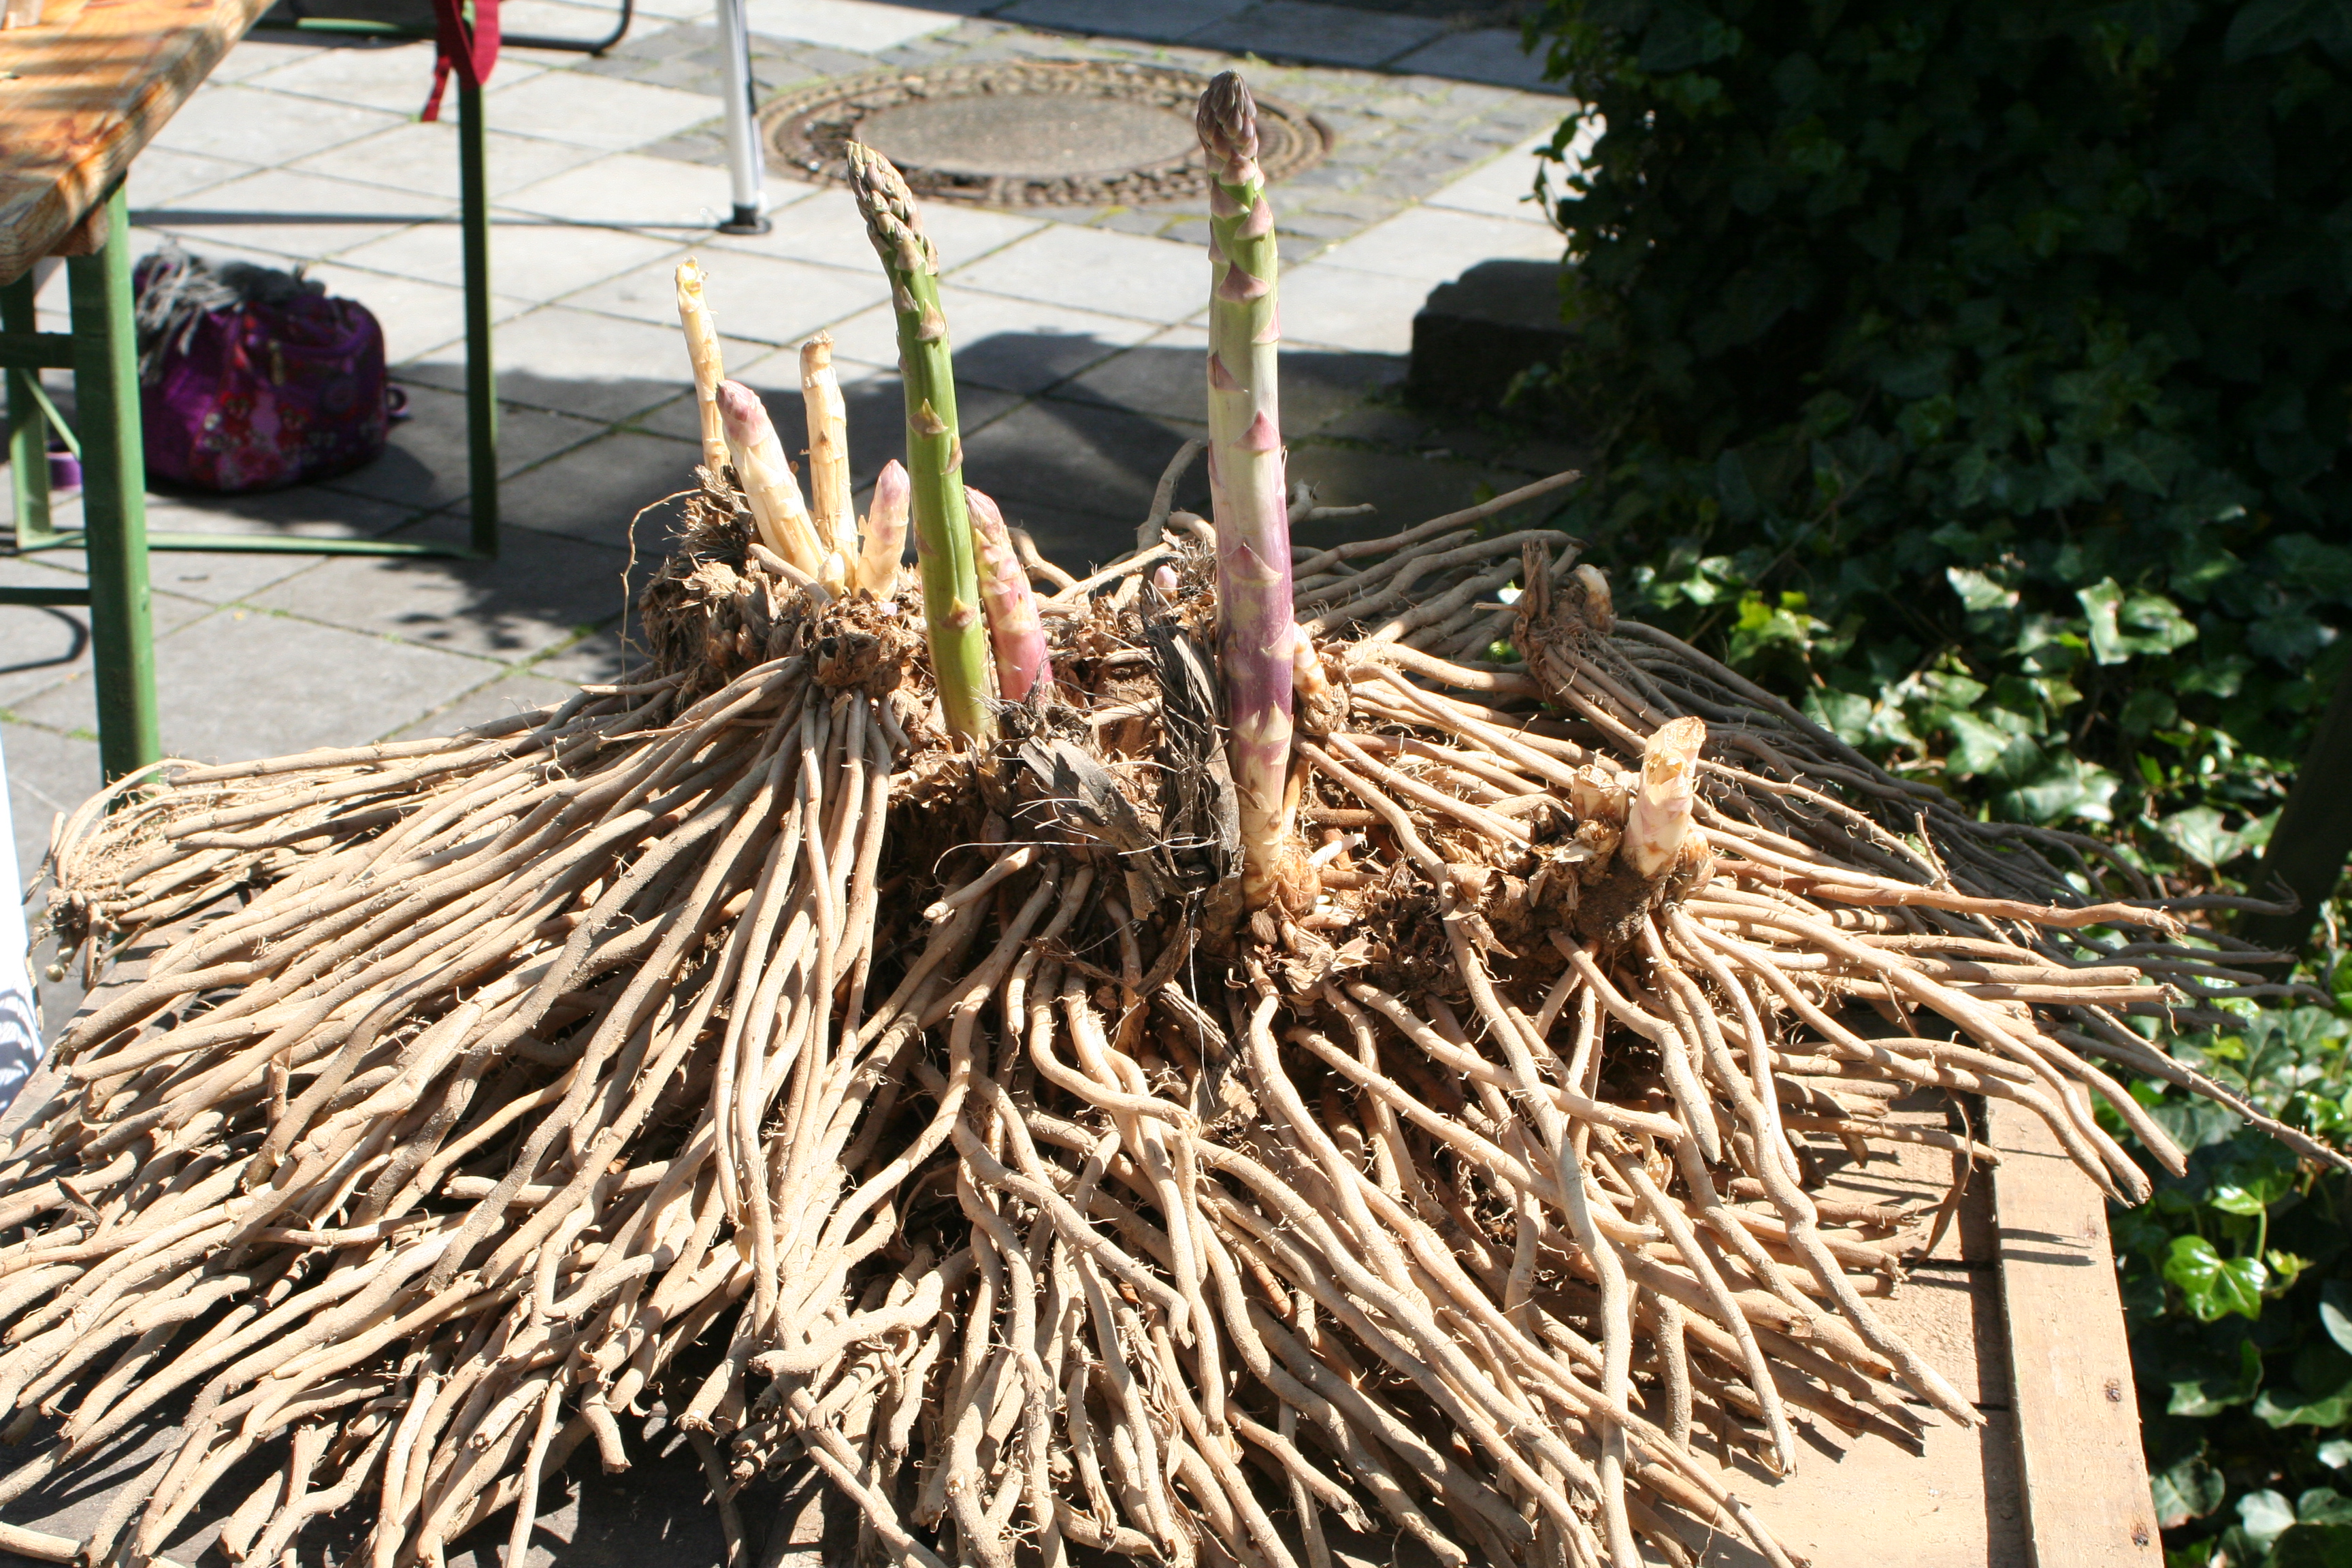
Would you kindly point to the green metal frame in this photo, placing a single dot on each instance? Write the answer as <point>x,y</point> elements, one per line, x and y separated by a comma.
<point>102,351</point>
<point>105,362</point>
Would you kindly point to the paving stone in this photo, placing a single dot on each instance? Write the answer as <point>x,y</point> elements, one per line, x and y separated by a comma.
<point>43,644</point>
<point>533,259</point>
<point>240,683</point>
<point>1093,269</point>
<point>418,317</point>
<point>501,698</point>
<point>1081,458</point>
<point>422,158</point>
<point>629,190</point>
<point>760,299</point>
<point>424,463</point>
<point>1432,245</point>
<point>598,112</point>
<point>857,25</point>
<point>600,657</point>
<point>1503,188</point>
<point>1012,344</point>
<point>1331,35</point>
<point>305,511</point>
<point>579,363</point>
<point>259,51</point>
<point>1156,19</point>
<point>593,492</point>
<point>1408,489</point>
<point>1167,378</point>
<point>301,216</point>
<point>48,772</point>
<point>822,226</point>
<point>1334,307</point>
<point>540,592</point>
<point>257,127</point>
<point>162,174</point>
<point>388,75</point>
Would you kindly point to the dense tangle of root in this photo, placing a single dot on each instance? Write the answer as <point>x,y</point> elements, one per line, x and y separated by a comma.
<point>467,1082</point>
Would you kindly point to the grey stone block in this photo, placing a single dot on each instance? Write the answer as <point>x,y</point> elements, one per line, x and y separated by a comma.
<point>542,590</point>
<point>48,774</point>
<point>501,698</point>
<point>241,683</point>
<point>593,492</point>
<point>1478,333</point>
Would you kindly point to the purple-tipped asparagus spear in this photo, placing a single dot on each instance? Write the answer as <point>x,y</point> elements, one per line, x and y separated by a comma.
<point>1012,621</point>
<point>1254,630</point>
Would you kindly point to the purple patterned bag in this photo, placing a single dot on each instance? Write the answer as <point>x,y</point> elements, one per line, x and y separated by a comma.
<point>253,379</point>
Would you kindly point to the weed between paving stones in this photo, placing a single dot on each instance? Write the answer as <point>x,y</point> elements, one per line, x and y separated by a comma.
<point>1049,1190</point>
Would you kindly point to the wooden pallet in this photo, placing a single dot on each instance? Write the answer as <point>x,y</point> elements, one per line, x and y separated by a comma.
<point>2019,1308</point>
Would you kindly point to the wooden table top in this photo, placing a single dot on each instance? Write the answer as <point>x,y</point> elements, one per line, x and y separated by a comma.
<point>82,93</point>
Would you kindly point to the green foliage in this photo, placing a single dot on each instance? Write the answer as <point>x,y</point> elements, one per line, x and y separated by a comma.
<point>2237,1281</point>
<point>1982,370</point>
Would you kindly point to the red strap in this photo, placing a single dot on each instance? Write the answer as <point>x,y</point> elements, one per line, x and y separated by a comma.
<point>474,50</point>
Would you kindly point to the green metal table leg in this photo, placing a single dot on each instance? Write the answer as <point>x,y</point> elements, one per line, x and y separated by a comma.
<point>481,378</point>
<point>28,455</point>
<point>114,497</point>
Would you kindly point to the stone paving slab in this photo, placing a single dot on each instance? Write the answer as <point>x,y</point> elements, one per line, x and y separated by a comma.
<point>243,683</point>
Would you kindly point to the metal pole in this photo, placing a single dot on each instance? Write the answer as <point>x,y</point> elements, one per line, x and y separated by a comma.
<point>114,497</point>
<point>2313,835</point>
<point>481,377</point>
<point>742,130</point>
<point>28,453</point>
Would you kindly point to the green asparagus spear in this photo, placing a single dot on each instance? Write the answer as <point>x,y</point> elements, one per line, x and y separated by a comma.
<point>943,546</point>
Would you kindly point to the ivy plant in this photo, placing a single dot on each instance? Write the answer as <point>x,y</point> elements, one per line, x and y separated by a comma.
<point>1981,369</point>
<point>1984,373</point>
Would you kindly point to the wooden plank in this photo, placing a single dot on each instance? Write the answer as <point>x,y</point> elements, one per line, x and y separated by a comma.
<point>1947,1495</point>
<point>2084,1483</point>
<point>83,92</point>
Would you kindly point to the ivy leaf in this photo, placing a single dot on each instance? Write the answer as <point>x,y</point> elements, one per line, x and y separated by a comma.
<point>1978,591</point>
<point>2199,833</point>
<point>2124,624</point>
<point>2190,1490</point>
<point>2070,787</point>
<point>2212,1395</point>
<point>2335,1312</point>
<point>2216,1286</point>
<point>2313,1546</point>
<point>2323,1505</point>
<point>2266,1515</point>
<point>2247,1190</point>
<point>2271,26</point>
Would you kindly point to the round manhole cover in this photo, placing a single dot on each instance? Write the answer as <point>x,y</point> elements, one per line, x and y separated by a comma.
<point>1039,133</point>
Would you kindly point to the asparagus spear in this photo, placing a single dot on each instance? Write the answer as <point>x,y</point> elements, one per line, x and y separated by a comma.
<point>1660,815</point>
<point>1012,622</point>
<point>828,449</point>
<point>886,530</point>
<point>943,546</point>
<point>702,351</point>
<point>767,478</point>
<point>1256,632</point>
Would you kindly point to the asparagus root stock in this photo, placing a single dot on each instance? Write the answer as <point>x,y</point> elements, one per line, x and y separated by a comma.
<point>1179,1063</point>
